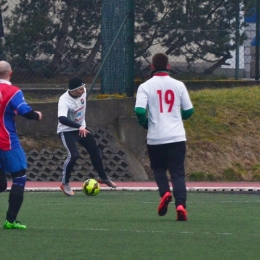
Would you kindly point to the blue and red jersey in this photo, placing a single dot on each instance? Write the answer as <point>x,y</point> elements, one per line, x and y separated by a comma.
<point>12,102</point>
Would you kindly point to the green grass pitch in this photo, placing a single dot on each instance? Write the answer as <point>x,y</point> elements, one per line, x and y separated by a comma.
<point>125,225</point>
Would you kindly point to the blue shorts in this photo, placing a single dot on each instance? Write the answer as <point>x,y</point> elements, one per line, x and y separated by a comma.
<point>13,160</point>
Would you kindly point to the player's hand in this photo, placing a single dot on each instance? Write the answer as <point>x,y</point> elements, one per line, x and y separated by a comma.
<point>145,126</point>
<point>83,131</point>
<point>40,115</point>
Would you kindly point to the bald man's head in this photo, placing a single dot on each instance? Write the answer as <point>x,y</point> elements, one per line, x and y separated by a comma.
<point>5,70</point>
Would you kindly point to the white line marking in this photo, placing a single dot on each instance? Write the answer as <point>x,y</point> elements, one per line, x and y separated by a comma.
<point>123,203</point>
<point>137,231</point>
<point>100,229</point>
<point>193,189</point>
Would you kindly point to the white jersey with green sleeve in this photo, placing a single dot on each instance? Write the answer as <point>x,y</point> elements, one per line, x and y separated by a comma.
<point>74,109</point>
<point>164,97</point>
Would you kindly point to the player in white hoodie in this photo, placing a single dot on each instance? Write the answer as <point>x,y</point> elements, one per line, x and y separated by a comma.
<point>72,130</point>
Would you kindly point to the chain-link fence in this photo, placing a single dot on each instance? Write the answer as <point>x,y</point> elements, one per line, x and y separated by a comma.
<point>49,40</point>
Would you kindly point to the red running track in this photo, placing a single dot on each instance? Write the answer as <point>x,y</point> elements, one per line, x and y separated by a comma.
<point>191,186</point>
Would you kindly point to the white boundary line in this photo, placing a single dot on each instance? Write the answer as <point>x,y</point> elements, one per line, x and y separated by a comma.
<point>141,231</point>
<point>197,189</point>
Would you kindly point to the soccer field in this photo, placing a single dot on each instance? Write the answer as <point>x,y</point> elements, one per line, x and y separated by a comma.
<point>125,225</point>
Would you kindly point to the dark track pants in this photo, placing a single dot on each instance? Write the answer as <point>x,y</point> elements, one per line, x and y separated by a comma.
<point>70,140</point>
<point>170,157</point>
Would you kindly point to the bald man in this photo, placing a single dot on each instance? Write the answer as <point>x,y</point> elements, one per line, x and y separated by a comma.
<point>12,156</point>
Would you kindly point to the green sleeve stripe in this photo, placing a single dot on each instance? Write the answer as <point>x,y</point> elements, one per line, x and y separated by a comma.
<point>185,114</point>
<point>141,115</point>
<point>140,110</point>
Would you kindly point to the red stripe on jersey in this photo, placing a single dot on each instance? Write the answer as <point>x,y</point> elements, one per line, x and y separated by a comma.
<point>6,94</point>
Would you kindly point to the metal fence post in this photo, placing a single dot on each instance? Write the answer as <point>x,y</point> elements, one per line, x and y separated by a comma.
<point>237,39</point>
<point>130,50</point>
<point>257,41</point>
<point>106,57</point>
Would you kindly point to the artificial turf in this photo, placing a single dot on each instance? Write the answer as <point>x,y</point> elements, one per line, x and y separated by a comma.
<point>125,225</point>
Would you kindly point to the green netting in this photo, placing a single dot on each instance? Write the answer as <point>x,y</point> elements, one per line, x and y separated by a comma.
<point>55,39</point>
<point>114,72</point>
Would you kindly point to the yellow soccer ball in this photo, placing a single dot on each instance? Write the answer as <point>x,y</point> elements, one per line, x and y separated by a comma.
<point>91,187</point>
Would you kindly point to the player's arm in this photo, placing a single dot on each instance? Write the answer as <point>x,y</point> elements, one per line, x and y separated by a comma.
<point>185,114</point>
<point>66,121</point>
<point>32,115</point>
<point>141,117</point>
<point>140,106</point>
<point>186,104</point>
<point>20,105</point>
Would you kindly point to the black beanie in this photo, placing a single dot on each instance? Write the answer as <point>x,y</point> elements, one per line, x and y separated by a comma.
<point>75,83</point>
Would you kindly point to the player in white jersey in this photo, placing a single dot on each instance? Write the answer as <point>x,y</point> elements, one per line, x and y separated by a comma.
<point>72,129</point>
<point>167,103</point>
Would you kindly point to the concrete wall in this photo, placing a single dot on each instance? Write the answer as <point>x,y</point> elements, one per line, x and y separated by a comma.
<point>113,115</point>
